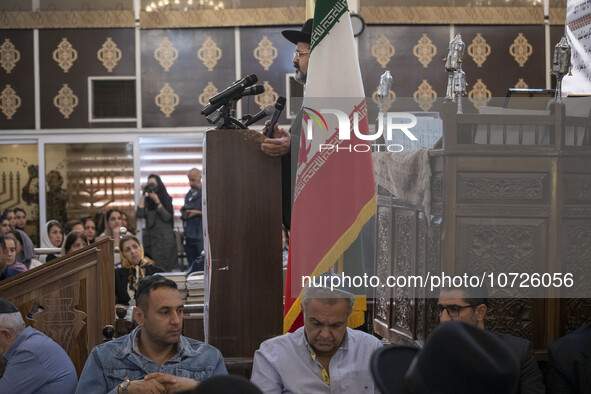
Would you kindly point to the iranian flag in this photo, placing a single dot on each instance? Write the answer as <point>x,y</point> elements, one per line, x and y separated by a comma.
<point>334,194</point>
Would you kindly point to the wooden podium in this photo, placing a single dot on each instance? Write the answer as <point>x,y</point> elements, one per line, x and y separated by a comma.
<point>242,212</point>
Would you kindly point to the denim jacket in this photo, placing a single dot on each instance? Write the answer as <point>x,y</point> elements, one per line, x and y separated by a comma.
<point>109,363</point>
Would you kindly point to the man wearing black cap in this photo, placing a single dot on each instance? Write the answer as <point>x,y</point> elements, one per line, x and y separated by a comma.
<point>33,362</point>
<point>286,143</point>
<point>324,356</point>
<point>155,357</point>
<point>469,305</point>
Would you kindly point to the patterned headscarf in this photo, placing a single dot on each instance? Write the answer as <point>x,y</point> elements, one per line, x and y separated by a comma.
<point>136,272</point>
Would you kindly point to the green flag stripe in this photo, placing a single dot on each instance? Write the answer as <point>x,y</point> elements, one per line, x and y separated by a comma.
<point>326,15</point>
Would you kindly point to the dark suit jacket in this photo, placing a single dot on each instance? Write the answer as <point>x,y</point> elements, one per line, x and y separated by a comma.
<point>531,380</point>
<point>570,363</point>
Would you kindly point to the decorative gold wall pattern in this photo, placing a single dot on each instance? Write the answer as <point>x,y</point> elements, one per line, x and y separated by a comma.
<point>424,50</point>
<point>109,54</point>
<point>265,53</point>
<point>208,92</point>
<point>479,95</point>
<point>9,55</point>
<point>226,17</point>
<point>209,53</point>
<point>9,102</point>
<point>67,19</point>
<point>521,49</point>
<point>167,100</point>
<point>166,54</point>
<point>65,101</point>
<point>383,51</point>
<point>479,50</point>
<point>267,98</point>
<point>521,84</point>
<point>65,55</point>
<point>452,15</point>
<point>425,96</point>
<point>388,101</point>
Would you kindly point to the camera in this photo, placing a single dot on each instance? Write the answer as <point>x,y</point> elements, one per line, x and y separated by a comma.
<point>184,213</point>
<point>150,188</point>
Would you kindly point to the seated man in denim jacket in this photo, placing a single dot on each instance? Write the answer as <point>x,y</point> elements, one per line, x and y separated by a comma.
<point>155,357</point>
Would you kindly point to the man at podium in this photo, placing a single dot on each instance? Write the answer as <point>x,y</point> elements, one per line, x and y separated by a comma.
<point>286,143</point>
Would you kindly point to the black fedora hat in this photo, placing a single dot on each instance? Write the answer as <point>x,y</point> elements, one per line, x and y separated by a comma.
<point>458,358</point>
<point>303,35</point>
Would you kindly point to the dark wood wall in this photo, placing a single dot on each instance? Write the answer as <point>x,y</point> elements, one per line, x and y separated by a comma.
<point>205,64</point>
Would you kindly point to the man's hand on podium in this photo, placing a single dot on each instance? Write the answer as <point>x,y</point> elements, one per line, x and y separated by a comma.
<point>279,145</point>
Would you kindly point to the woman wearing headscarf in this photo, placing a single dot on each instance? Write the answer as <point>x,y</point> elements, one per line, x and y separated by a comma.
<point>25,250</point>
<point>134,267</point>
<point>52,236</point>
<point>89,228</point>
<point>112,225</point>
<point>74,240</point>
<point>155,206</point>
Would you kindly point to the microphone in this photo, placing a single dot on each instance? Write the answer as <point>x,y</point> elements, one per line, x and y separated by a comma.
<point>251,91</point>
<point>279,104</point>
<point>267,111</point>
<point>235,89</point>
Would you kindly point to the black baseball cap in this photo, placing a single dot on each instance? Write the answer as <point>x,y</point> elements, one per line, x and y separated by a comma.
<point>303,35</point>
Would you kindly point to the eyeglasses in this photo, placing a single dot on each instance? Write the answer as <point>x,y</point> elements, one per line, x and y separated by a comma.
<point>452,310</point>
<point>298,55</point>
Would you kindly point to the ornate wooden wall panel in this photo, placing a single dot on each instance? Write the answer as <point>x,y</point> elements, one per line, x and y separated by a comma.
<point>118,59</point>
<point>17,82</point>
<point>404,51</point>
<point>384,242</point>
<point>497,59</point>
<point>266,53</point>
<point>504,209</point>
<point>200,63</point>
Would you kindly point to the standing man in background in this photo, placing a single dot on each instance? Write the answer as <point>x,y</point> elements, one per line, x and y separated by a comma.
<point>192,217</point>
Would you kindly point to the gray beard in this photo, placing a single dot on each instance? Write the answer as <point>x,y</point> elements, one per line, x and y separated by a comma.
<point>300,77</point>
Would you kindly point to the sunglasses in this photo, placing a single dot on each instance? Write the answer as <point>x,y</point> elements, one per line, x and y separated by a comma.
<point>452,310</point>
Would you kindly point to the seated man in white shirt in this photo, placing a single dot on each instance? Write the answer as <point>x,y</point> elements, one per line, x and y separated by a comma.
<point>324,356</point>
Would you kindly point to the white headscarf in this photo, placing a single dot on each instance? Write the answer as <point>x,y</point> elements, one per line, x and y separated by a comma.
<point>45,242</point>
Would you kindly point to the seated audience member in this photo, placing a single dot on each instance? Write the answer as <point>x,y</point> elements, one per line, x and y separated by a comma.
<point>569,363</point>
<point>324,356</point>
<point>112,226</point>
<point>4,224</point>
<point>25,251</point>
<point>89,229</point>
<point>73,225</point>
<point>457,358</point>
<point>469,305</point>
<point>34,363</point>
<point>74,241</point>
<point>9,214</point>
<point>5,271</point>
<point>10,254</point>
<point>52,236</point>
<point>134,268</point>
<point>21,218</point>
<point>129,363</point>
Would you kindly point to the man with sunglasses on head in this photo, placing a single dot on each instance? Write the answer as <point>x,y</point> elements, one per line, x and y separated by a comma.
<point>469,305</point>
<point>155,357</point>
